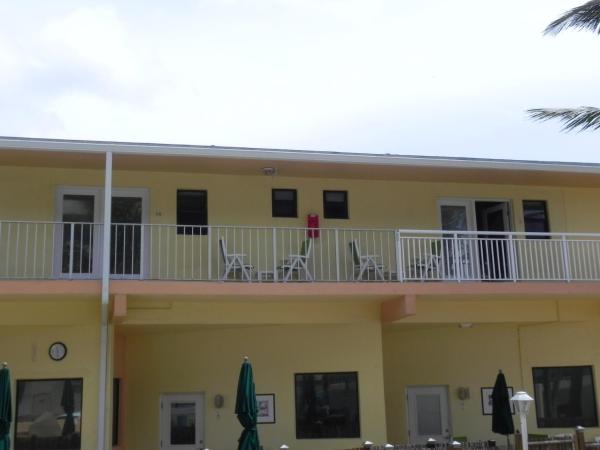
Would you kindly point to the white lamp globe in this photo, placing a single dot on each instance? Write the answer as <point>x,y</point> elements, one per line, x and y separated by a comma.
<point>522,402</point>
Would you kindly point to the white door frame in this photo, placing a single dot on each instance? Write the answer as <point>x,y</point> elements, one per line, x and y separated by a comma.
<point>144,194</point>
<point>98,193</point>
<point>473,268</point>
<point>448,415</point>
<point>470,261</point>
<point>163,415</point>
<point>469,203</point>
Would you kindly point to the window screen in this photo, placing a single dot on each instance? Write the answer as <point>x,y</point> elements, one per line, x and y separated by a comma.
<point>327,405</point>
<point>335,204</point>
<point>535,217</point>
<point>285,203</point>
<point>192,211</point>
<point>564,397</point>
<point>48,414</point>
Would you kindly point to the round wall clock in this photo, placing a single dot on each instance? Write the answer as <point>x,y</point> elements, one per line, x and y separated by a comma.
<point>57,351</point>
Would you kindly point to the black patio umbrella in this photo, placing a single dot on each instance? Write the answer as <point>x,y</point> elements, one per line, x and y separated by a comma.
<point>68,405</point>
<point>502,422</point>
<point>5,407</point>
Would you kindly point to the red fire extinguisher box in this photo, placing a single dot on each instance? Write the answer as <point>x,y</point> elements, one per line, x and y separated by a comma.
<point>312,223</point>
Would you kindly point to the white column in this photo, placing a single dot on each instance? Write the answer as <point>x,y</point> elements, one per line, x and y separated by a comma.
<point>524,435</point>
<point>103,372</point>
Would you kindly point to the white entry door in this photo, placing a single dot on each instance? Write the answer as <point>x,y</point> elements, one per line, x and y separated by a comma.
<point>459,215</point>
<point>182,422</point>
<point>78,242</point>
<point>428,414</point>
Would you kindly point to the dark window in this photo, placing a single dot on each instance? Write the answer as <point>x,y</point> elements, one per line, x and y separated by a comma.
<point>535,216</point>
<point>564,397</point>
<point>48,414</point>
<point>192,211</point>
<point>285,203</point>
<point>327,405</point>
<point>116,403</point>
<point>335,204</point>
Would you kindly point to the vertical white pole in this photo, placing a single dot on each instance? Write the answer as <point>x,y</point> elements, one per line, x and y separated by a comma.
<point>524,436</point>
<point>103,375</point>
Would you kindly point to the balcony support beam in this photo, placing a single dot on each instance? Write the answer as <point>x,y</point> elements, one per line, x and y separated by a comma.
<point>398,308</point>
<point>119,310</point>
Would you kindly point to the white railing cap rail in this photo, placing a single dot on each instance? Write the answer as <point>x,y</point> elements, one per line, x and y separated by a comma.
<point>447,233</point>
<point>49,222</point>
<point>401,231</point>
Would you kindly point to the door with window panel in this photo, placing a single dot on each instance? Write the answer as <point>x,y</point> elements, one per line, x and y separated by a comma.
<point>182,422</point>
<point>78,235</point>
<point>428,414</point>
<point>126,236</point>
<point>458,257</point>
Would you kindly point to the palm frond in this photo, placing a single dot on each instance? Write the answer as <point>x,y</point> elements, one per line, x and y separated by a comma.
<point>583,17</point>
<point>582,118</point>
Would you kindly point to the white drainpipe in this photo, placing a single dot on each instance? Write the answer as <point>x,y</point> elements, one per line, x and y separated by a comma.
<point>103,375</point>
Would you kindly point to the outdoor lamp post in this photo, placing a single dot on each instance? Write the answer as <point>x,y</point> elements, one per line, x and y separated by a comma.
<point>522,402</point>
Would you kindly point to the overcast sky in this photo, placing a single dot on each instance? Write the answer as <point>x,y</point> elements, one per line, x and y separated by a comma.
<point>434,77</point>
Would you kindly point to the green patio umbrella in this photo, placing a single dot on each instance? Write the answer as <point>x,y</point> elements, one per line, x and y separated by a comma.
<point>5,407</point>
<point>246,408</point>
<point>502,422</point>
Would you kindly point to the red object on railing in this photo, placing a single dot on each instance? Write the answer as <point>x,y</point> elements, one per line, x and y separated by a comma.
<point>312,223</point>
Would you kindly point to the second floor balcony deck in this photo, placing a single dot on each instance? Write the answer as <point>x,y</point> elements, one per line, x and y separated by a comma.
<point>61,250</point>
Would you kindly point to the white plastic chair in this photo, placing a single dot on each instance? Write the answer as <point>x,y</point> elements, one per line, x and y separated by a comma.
<point>234,263</point>
<point>430,264</point>
<point>295,263</point>
<point>365,264</point>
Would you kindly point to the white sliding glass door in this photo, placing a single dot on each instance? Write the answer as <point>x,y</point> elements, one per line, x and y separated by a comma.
<point>77,241</point>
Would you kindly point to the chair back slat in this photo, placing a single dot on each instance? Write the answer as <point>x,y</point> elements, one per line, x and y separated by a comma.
<point>223,248</point>
<point>355,252</point>
<point>306,247</point>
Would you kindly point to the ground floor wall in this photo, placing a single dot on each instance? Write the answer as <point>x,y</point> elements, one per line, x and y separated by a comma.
<point>208,360</point>
<point>28,328</point>
<point>456,357</point>
<point>190,347</point>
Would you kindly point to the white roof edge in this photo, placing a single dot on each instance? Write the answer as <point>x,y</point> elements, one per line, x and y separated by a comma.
<point>376,159</point>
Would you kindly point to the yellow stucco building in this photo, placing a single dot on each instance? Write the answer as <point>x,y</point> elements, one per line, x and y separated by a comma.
<point>385,316</point>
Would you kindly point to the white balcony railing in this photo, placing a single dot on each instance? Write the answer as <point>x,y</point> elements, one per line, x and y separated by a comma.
<point>48,250</point>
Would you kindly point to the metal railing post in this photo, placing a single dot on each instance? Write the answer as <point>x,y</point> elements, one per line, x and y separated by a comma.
<point>566,258</point>
<point>337,255</point>
<point>71,242</point>
<point>399,257</point>
<point>142,253</point>
<point>456,255</point>
<point>209,252</point>
<point>513,257</point>
<point>274,254</point>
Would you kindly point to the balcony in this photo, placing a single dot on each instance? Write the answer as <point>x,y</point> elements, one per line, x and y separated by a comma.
<point>58,250</point>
